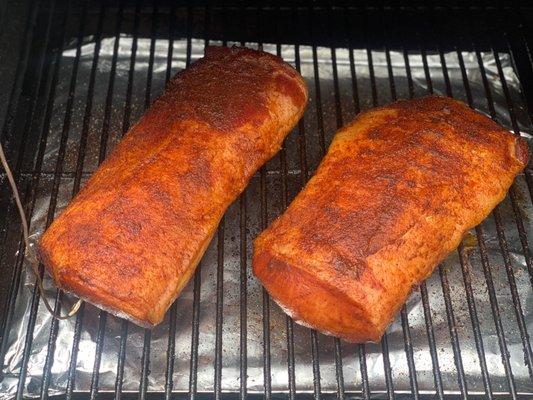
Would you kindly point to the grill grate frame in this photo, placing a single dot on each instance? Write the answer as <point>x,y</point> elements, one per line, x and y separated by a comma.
<point>35,85</point>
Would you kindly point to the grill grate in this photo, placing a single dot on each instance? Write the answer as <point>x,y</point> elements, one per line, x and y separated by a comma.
<point>411,35</point>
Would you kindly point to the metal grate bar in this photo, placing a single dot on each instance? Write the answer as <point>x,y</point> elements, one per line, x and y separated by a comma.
<point>484,256</point>
<point>219,306</point>
<point>450,317</point>
<point>519,36</point>
<point>220,275</point>
<point>488,276</point>
<point>79,167</point>
<point>145,360</point>
<point>243,295</point>
<point>515,296</point>
<point>361,348</point>
<point>18,105</point>
<point>522,233</point>
<point>322,141</point>
<point>111,87</point>
<point>74,355</point>
<point>512,190</point>
<point>302,140</point>
<point>76,187</point>
<point>528,354</point>
<point>22,65</point>
<point>442,271</point>
<point>431,339</point>
<point>125,128</point>
<point>288,320</point>
<point>403,313</point>
<point>423,287</point>
<point>193,377</point>
<point>52,207</point>
<point>318,94</point>
<point>39,86</point>
<point>93,390</point>
<point>267,375</point>
<point>47,80</point>
<point>171,348</point>
<point>31,192</point>
<point>467,278</point>
<point>121,360</point>
<point>375,103</point>
<point>465,267</point>
<point>516,210</point>
<point>494,303</point>
<point>145,364</point>
<point>338,113</point>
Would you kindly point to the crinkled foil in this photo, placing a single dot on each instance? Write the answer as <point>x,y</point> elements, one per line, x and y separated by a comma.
<point>231,326</point>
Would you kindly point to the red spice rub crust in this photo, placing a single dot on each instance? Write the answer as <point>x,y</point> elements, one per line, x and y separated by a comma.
<point>397,190</point>
<point>133,236</point>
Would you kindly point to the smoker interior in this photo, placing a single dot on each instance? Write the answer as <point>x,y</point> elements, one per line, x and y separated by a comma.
<point>36,35</point>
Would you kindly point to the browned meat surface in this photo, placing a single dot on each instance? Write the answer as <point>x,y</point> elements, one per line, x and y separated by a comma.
<point>133,236</point>
<point>396,192</point>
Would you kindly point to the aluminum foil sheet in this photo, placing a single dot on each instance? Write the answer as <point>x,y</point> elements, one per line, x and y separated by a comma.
<point>230,377</point>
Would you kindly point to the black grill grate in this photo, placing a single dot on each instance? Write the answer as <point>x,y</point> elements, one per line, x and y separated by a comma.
<point>55,26</point>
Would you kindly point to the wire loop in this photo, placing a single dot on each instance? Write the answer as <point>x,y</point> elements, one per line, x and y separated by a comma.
<point>28,251</point>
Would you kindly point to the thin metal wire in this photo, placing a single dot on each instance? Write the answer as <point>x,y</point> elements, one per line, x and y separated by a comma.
<point>30,255</point>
